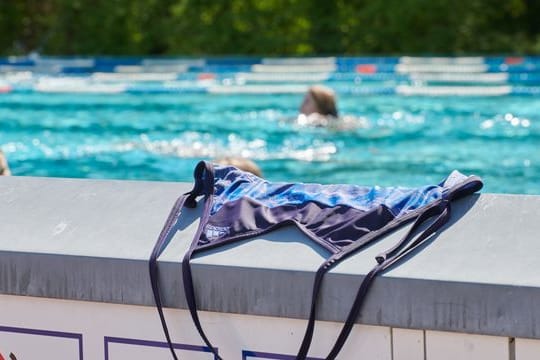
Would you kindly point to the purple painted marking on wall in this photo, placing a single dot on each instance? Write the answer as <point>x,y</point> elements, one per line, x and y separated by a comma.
<point>267,355</point>
<point>52,333</point>
<point>158,344</point>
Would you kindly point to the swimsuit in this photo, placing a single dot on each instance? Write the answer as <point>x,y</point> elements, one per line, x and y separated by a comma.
<point>343,219</point>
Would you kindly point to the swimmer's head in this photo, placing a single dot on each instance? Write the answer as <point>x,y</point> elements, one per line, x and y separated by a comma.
<point>240,163</point>
<point>319,99</point>
<point>4,168</point>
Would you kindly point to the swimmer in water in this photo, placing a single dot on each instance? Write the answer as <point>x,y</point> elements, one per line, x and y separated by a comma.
<point>319,100</point>
<point>319,109</point>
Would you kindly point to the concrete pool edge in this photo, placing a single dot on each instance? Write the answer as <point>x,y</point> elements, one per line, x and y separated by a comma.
<point>90,240</point>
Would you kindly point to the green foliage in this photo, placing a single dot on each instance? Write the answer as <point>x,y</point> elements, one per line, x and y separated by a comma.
<point>268,27</point>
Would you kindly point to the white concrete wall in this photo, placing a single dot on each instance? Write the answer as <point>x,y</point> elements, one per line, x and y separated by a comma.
<point>41,328</point>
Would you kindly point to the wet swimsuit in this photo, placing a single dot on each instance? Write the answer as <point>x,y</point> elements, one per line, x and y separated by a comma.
<point>343,219</point>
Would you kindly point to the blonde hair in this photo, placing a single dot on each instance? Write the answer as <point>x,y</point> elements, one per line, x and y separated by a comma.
<point>4,168</point>
<point>325,99</point>
<point>240,163</point>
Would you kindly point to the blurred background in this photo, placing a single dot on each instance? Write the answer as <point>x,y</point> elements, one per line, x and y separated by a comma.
<point>269,27</point>
<point>144,89</point>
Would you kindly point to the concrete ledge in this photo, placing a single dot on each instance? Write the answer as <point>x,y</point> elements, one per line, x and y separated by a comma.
<point>90,240</point>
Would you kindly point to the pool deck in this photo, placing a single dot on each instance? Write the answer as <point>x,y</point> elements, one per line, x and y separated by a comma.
<point>91,239</point>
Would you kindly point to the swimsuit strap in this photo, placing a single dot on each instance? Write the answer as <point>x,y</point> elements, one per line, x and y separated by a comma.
<point>164,237</point>
<point>336,258</point>
<point>404,247</point>
<point>330,263</point>
<point>204,183</point>
<point>204,173</point>
<point>440,208</point>
<point>388,258</point>
<point>308,335</point>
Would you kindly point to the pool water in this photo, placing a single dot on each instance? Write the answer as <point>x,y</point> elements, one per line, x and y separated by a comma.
<point>401,140</point>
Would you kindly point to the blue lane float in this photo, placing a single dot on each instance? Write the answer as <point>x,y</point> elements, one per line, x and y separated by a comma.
<point>224,64</point>
<point>411,76</point>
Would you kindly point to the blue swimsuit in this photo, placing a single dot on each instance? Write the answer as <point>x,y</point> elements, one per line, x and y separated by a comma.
<point>343,219</point>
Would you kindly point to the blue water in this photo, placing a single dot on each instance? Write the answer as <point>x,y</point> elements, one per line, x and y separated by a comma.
<point>406,141</point>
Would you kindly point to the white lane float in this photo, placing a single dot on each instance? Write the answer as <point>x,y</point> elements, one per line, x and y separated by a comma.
<point>304,68</point>
<point>439,60</point>
<point>76,85</point>
<point>453,90</point>
<point>133,76</point>
<point>461,77</point>
<point>258,89</point>
<point>281,77</point>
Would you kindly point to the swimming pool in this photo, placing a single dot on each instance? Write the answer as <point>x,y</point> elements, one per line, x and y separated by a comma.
<point>405,140</point>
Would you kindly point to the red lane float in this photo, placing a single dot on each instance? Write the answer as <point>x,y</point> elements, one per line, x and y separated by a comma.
<point>4,89</point>
<point>366,69</point>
